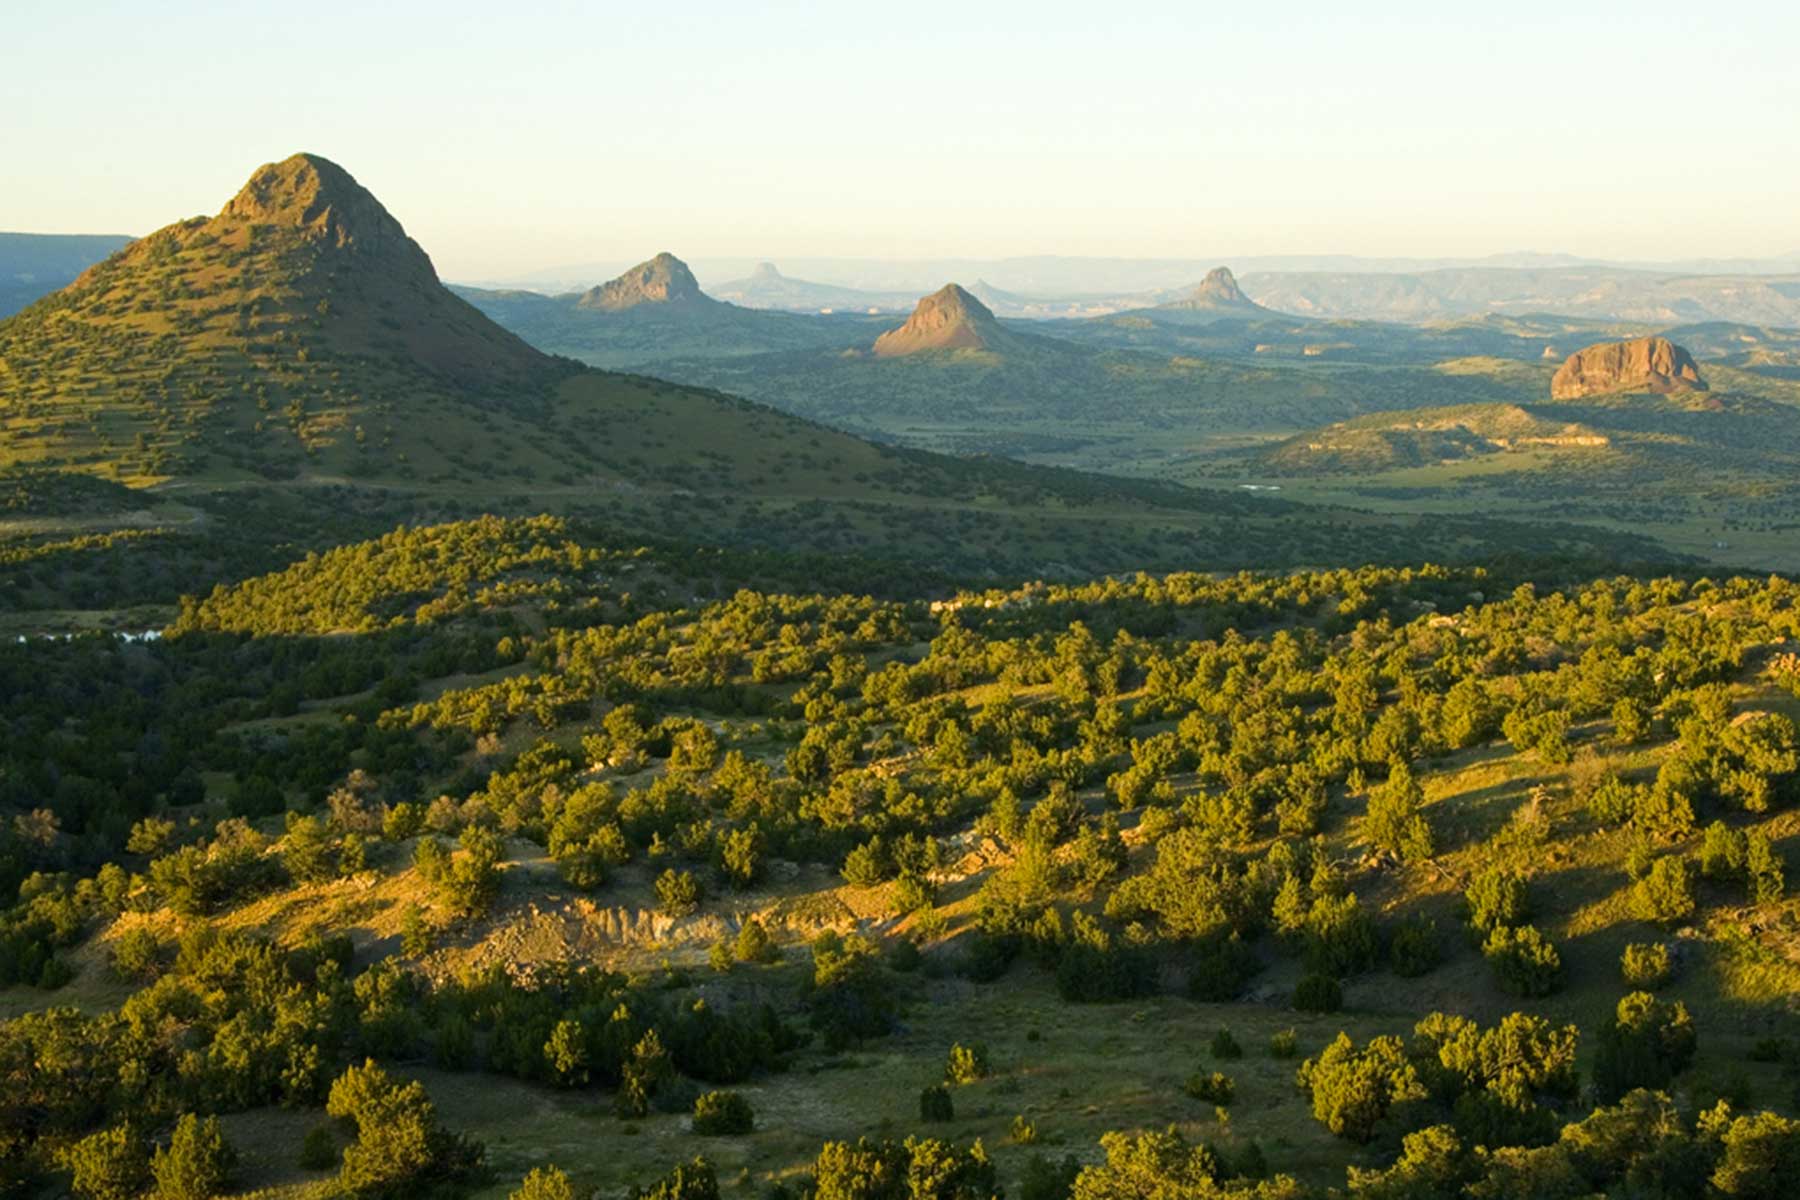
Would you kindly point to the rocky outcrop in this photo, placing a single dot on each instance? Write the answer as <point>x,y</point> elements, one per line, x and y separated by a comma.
<point>948,319</point>
<point>314,194</point>
<point>1651,364</point>
<point>664,279</point>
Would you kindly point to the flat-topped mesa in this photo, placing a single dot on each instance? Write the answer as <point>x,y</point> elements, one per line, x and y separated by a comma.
<point>1650,364</point>
<point>948,319</point>
<point>664,279</point>
<point>320,198</point>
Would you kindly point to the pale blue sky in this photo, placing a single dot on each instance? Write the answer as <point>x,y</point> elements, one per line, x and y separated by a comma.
<point>509,137</point>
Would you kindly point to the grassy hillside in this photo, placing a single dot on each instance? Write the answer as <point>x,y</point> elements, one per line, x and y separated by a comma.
<point>571,832</point>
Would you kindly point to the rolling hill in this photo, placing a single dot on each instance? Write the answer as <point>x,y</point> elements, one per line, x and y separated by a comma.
<point>1630,434</point>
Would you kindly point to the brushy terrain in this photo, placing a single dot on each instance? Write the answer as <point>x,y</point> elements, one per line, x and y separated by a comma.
<point>1163,876</point>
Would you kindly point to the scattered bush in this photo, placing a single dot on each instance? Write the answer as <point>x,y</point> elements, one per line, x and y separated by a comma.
<point>966,1064</point>
<point>1216,1088</point>
<point>1415,948</point>
<point>1645,966</point>
<point>1524,961</point>
<point>196,1164</point>
<point>723,1114</point>
<point>1665,895</point>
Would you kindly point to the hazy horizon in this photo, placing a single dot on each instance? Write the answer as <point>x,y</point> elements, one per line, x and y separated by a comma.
<point>567,134</point>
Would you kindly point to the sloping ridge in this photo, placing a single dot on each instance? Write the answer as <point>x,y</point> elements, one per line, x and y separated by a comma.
<point>948,319</point>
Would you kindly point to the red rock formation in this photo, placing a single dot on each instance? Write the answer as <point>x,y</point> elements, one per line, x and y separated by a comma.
<point>1651,364</point>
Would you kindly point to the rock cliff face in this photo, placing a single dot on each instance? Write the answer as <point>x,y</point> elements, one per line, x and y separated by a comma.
<point>665,279</point>
<point>948,319</point>
<point>319,198</point>
<point>1651,364</point>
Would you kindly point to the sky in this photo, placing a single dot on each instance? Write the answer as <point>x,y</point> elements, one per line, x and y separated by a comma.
<point>513,137</point>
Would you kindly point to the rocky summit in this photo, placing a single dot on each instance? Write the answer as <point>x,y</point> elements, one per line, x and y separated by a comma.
<point>664,279</point>
<point>1650,364</point>
<point>948,319</point>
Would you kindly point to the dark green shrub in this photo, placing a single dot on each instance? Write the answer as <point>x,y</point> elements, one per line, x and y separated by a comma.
<point>1216,1088</point>
<point>319,1149</point>
<point>1524,961</point>
<point>1318,993</point>
<point>196,1164</point>
<point>1645,966</point>
<point>1415,948</point>
<point>723,1114</point>
<point>935,1104</point>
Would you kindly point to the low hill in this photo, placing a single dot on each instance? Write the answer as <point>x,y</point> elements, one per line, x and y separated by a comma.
<point>1384,441</point>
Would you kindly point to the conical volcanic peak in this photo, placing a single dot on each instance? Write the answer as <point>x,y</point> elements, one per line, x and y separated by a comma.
<point>1219,295</point>
<point>948,319</point>
<point>1220,286</point>
<point>664,279</point>
<point>316,195</point>
<point>295,330</point>
<point>1651,364</point>
<point>766,272</point>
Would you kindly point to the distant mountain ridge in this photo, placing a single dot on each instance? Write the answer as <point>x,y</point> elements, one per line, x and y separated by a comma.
<point>36,264</point>
<point>1603,293</point>
<point>652,312</point>
<point>766,287</point>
